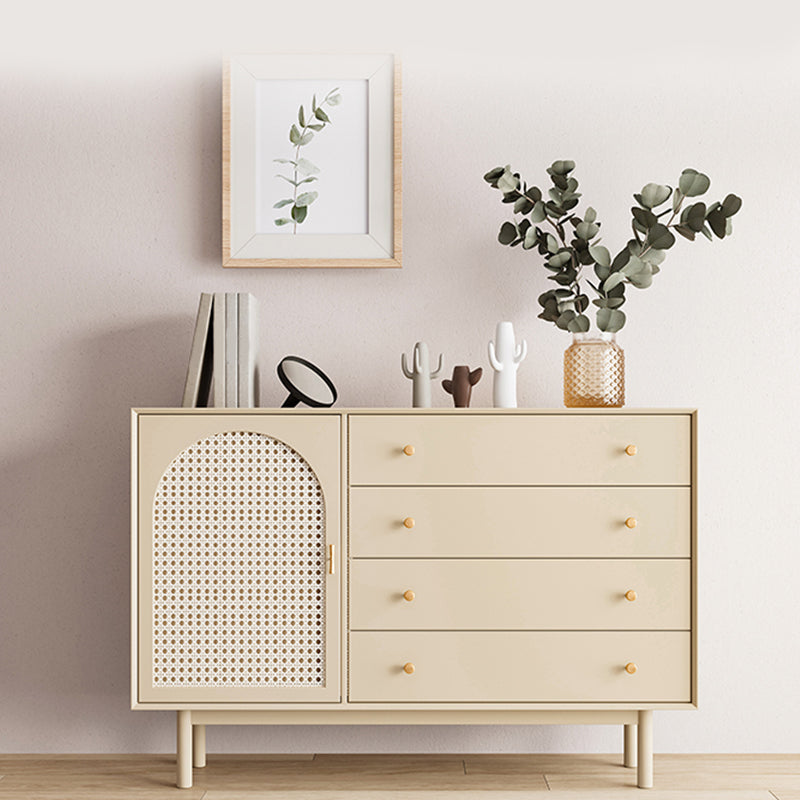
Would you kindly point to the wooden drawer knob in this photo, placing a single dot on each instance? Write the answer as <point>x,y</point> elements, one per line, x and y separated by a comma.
<point>631,522</point>
<point>409,522</point>
<point>630,595</point>
<point>408,595</point>
<point>631,450</point>
<point>409,450</point>
<point>630,667</point>
<point>409,668</point>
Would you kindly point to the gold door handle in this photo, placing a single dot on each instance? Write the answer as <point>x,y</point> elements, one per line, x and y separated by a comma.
<point>631,450</point>
<point>631,522</point>
<point>630,595</point>
<point>630,668</point>
<point>409,522</point>
<point>409,450</point>
<point>331,561</point>
<point>408,595</point>
<point>409,668</point>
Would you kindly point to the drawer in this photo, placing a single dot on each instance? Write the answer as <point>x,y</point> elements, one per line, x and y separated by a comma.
<point>519,521</point>
<point>521,594</point>
<point>520,449</point>
<point>518,667</point>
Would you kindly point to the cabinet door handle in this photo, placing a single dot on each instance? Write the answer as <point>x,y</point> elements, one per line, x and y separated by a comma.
<point>409,450</point>
<point>331,561</point>
<point>631,668</point>
<point>408,595</point>
<point>631,449</point>
<point>409,522</point>
<point>409,668</point>
<point>630,595</point>
<point>631,522</point>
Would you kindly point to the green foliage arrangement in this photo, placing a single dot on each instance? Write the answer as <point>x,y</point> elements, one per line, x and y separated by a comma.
<point>303,171</point>
<point>572,242</point>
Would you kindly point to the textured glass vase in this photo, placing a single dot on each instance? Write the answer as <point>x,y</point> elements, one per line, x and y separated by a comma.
<point>594,372</point>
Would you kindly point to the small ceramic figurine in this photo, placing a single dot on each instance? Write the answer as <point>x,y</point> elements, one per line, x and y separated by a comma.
<point>421,375</point>
<point>505,358</point>
<point>461,385</point>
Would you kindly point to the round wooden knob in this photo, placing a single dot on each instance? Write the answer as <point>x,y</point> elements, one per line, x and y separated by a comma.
<point>408,595</point>
<point>631,522</point>
<point>630,667</point>
<point>630,595</point>
<point>631,450</point>
<point>409,668</point>
<point>409,450</point>
<point>409,522</point>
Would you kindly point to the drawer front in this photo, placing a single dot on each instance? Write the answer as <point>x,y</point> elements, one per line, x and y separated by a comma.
<point>518,667</point>
<point>519,521</point>
<point>523,594</point>
<point>520,449</point>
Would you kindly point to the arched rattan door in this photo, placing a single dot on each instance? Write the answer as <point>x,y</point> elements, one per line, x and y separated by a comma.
<point>237,591</point>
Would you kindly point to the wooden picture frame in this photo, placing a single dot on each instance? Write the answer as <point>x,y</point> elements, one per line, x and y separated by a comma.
<point>352,215</point>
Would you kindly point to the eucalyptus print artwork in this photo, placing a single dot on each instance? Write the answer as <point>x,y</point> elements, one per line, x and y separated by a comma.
<point>303,172</point>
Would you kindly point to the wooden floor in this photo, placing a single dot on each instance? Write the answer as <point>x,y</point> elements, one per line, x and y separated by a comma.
<point>400,777</point>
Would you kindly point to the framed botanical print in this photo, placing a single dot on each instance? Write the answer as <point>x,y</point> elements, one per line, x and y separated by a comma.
<point>312,161</point>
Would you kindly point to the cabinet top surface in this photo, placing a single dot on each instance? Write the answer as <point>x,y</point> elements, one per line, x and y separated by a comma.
<point>417,411</point>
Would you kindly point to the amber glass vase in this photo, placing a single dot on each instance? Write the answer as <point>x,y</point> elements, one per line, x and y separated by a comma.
<point>594,372</point>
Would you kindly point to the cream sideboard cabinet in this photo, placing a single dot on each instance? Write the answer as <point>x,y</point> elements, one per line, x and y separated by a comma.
<point>414,566</point>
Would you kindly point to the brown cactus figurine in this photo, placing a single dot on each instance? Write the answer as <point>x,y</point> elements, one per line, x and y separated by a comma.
<point>461,385</point>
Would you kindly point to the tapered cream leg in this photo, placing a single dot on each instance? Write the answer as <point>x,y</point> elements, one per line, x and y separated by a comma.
<point>198,745</point>
<point>184,750</point>
<point>645,738</point>
<point>629,753</point>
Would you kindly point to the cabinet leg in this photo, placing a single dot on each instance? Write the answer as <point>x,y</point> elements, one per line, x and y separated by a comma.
<point>184,750</point>
<point>629,752</point>
<point>645,748</point>
<point>198,745</point>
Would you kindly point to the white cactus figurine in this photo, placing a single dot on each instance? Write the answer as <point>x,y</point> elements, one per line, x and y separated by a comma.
<point>421,375</point>
<point>505,358</point>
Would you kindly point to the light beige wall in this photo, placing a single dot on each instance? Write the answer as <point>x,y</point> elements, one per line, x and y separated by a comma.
<point>109,224</point>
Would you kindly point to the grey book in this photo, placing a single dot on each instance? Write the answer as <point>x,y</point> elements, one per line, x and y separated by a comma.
<point>218,327</point>
<point>197,387</point>
<point>231,350</point>
<point>248,351</point>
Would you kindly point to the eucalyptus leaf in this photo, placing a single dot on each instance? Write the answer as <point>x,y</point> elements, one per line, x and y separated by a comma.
<point>677,199</point>
<point>507,182</point>
<point>283,221</point>
<point>522,205</point>
<point>305,138</point>
<point>306,198</point>
<point>559,259</point>
<point>531,238</point>
<point>590,215</point>
<point>552,243</point>
<point>321,115</point>
<point>660,237</point>
<point>301,117</point>
<point>508,232</point>
<point>282,203</point>
<point>538,214</point>
<point>294,135</point>
<point>693,183</point>
<point>601,255</point>
<point>587,230</point>
<point>562,167</point>
<point>579,324</point>
<point>644,217</point>
<point>316,126</point>
<point>695,216</point>
<point>288,180</point>
<point>564,320</point>
<point>305,167</point>
<point>686,232</point>
<point>285,161</point>
<point>613,280</point>
<point>299,213</point>
<point>307,180</point>
<point>731,204</point>
<point>335,99</point>
<point>716,221</point>
<point>610,320</point>
<point>654,194</point>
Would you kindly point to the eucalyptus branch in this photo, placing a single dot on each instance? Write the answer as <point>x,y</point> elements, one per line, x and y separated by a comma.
<point>634,265</point>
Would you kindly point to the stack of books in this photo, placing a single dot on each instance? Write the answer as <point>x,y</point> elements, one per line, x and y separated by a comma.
<point>223,368</point>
